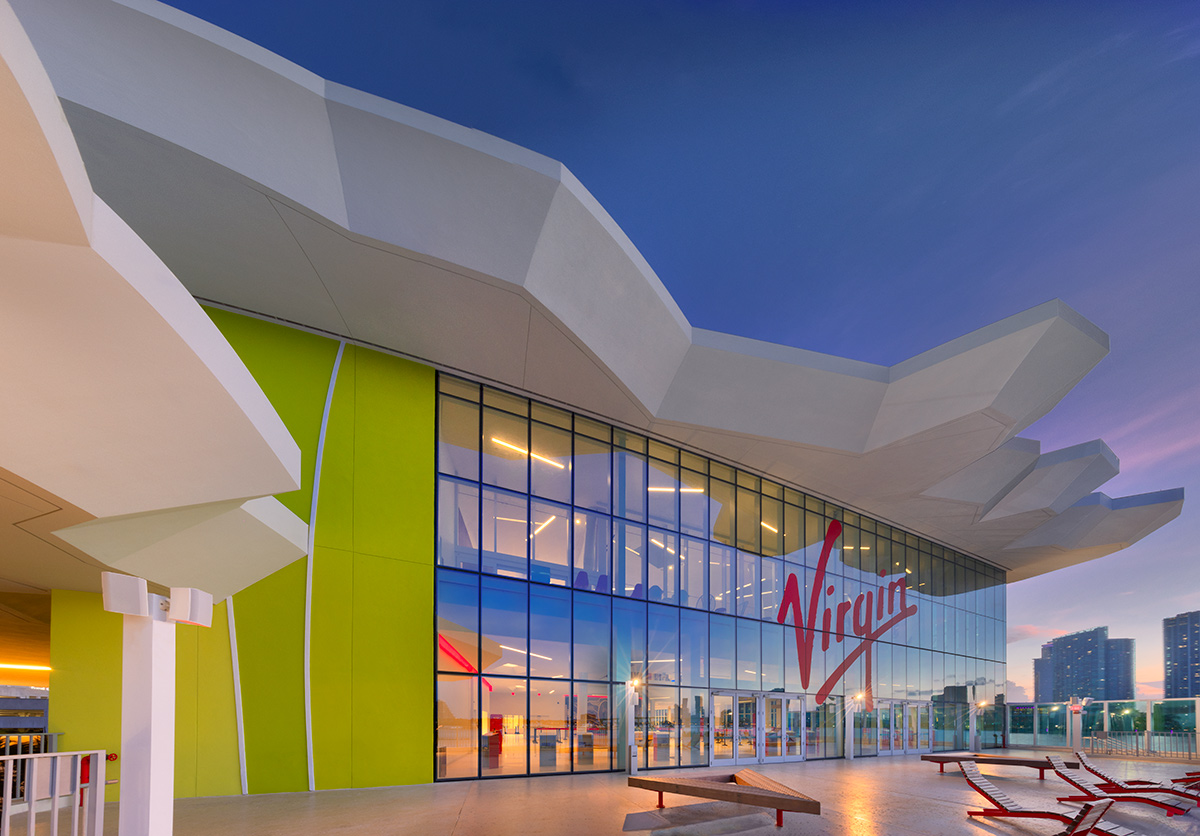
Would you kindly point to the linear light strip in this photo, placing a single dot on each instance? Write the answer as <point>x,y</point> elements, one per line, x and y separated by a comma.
<point>308,579</point>
<point>237,693</point>
<point>525,452</point>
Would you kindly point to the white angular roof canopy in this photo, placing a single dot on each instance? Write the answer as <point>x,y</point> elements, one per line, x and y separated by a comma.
<point>269,190</point>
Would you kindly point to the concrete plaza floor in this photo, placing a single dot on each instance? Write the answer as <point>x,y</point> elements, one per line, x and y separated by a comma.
<point>890,796</point>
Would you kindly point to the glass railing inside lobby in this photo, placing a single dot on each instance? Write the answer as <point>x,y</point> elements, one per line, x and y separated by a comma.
<point>1130,728</point>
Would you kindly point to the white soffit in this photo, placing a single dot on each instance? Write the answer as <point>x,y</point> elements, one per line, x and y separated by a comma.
<point>122,397</point>
<point>267,189</point>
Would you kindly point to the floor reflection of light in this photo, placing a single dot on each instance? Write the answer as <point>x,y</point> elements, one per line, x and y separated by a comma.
<point>857,805</point>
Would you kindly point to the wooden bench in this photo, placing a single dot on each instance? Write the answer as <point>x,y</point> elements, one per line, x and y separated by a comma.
<point>743,787</point>
<point>1040,764</point>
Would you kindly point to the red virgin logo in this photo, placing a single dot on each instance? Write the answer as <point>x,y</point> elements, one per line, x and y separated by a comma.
<point>866,616</point>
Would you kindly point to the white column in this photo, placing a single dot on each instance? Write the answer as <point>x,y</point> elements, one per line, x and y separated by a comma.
<point>148,723</point>
<point>630,722</point>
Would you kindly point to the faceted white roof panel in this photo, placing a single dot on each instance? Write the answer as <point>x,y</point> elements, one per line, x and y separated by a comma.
<point>267,189</point>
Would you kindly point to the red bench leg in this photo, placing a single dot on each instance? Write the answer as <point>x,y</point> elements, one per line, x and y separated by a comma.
<point>660,803</point>
<point>942,767</point>
<point>779,818</point>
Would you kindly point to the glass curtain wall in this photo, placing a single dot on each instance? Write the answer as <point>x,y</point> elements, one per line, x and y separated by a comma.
<point>573,556</point>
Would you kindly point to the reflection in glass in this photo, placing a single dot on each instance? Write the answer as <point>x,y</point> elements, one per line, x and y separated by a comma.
<point>550,543</point>
<point>549,632</point>
<point>629,639</point>
<point>593,544</point>
<point>662,726</point>
<point>747,731</point>
<point>772,587</point>
<point>593,730</point>
<point>591,615</point>
<point>772,656</point>
<point>549,725</point>
<point>663,487</point>
<point>629,560</point>
<point>721,511</point>
<point>505,450</point>
<point>457,745</point>
<point>748,652</point>
<point>748,578</point>
<point>720,578</point>
<point>457,622</point>
<point>693,503</point>
<point>693,573</point>
<point>505,534</point>
<point>503,742</point>
<point>693,727</point>
<point>662,662</point>
<point>503,618</point>
<point>458,525</point>
<point>722,648</point>
<point>724,727</point>
<point>749,520</point>
<point>458,438</point>
<point>662,572</point>
<point>592,474</point>
<point>629,485</point>
<point>693,648</point>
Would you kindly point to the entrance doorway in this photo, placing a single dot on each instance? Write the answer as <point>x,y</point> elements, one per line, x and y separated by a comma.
<point>753,727</point>
<point>904,727</point>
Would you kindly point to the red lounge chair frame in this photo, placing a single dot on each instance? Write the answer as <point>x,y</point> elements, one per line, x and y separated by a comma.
<point>1110,784</point>
<point>1005,807</point>
<point>1091,792</point>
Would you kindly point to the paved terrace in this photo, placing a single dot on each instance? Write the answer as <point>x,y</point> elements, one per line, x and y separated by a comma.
<point>894,796</point>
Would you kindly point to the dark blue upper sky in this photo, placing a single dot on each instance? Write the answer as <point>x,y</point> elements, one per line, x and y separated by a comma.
<point>868,179</point>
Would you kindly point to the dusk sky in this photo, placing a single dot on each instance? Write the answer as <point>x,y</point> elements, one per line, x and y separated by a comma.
<point>868,180</point>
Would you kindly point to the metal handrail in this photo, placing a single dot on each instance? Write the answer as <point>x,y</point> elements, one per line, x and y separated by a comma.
<point>51,782</point>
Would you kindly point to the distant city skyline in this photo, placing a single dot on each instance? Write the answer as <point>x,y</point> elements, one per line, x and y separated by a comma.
<point>868,180</point>
<point>1181,655</point>
<point>1086,663</point>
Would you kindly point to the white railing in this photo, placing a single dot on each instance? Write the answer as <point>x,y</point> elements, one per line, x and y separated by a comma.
<point>50,783</point>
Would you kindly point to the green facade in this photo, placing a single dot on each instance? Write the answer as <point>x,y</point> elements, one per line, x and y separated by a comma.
<point>371,608</point>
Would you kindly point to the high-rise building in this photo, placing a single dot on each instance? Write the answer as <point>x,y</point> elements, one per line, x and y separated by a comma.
<point>1181,655</point>
<point>1084,664</point>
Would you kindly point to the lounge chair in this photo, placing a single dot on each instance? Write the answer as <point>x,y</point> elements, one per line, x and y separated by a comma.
<point>1110,784</point>
<point>1091,792</point>
<point>1005,807</point>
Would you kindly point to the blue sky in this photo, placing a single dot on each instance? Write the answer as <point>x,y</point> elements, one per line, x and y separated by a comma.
<point>868,180</point>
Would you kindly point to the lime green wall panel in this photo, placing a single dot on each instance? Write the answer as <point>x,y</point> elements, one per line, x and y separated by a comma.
<point>186,706</point>
<point>394,484</point>
<point>392,698</point>
<point>85,654</point>
<point>335,528</point>
<point>270,634</point>
<point>332,645</point>
<point>217,769</point>
<point>292,367</point>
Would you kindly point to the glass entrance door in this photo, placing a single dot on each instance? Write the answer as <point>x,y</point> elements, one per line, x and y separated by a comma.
<point>749,728</point>
<point>904,727</point>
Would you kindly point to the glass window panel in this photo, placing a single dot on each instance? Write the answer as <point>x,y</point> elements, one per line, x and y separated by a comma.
<point>722,648</point>
<point>693,727</point>
<point>721,511</point>
<point>591,637</point>
<point>505,534</point>
<point>458,525</point>
<point>693,573</point>
<point>771,526</point>
<point>629,485</point>
<point>693,648</point>
<point>550,415</point>
<point>850,557</point>
<point>593,726</point>
<point>592,474</point>
<point>630,441</point>
<point>629,639</point>
<point>503,619</point>
<point>457,622</point>
<point>721,471</point>
<point>814,537</point>
<point>748,579</point>
<point>593,550</point>
<point>457,386</point>
<point>793,534</point>
<point>595,429</point>
<point>549,632</point>
<point>550,462</point>
<point>503,400</point>
<point>773,573</point>
<point>749,641</point>
<point>791,662</point>
<point>772,656</point>
<point>664,495</point>
<point>457,746</point>
<point>662,727</point>
<point>664,452</point>
<point>693,462</point>
<point>693,503</point>
<point>458,437</point>
<point>662,662</point>
<point>505,450</point>
<point>662,570</point>
<point>749,520</point>
<point>629,560</point>
<point>550,543</point>
<point>720,579</point>
<point>550,726</point>
<point>502,747</point>
<point>748,480</point>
